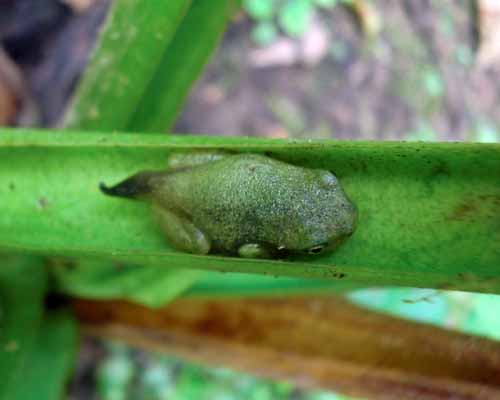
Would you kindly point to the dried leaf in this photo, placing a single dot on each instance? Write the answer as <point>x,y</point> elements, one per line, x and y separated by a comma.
<point>10,88</point>
<point>368,17</point>
<point>79,6</point>
<point>321,342</point>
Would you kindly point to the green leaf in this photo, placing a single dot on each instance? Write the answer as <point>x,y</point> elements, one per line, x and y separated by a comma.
<point>264,33</point>
<point>106,280</point>
<point>326,3</point>
<point>182,63</point>
<point>116,373</point>
<point>51,360</point>
<point>486,132</point>
<point>216,284</point>
<point>155,287</point>
<point>127,56</point>
<point>260,9</point>
<point>428,212</point>
<point>433,83</point>
<point>295,16</point>
<point>23,282</point>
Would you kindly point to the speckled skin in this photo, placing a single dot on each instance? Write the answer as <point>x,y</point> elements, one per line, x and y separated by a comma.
<point>244,204</point>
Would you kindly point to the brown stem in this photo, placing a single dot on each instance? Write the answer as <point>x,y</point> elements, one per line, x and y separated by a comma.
<point>315,342</point>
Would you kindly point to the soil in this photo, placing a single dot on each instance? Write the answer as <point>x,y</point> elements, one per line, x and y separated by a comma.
<point>417,79</point>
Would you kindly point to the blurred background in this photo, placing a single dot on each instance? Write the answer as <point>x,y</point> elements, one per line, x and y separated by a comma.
<point>328,69</point>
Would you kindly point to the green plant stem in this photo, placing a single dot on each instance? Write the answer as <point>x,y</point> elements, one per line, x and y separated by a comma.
<point>23,282</point>
<point>127,56</point>
<point>429,213</point>
<point>188,52</point>
<point>148,56</point>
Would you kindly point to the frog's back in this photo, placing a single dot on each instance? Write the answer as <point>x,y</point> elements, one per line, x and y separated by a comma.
<point>244,201</point>
<point>247,198</point>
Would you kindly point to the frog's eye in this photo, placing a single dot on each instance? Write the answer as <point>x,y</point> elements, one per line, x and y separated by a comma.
<point>316,249</point>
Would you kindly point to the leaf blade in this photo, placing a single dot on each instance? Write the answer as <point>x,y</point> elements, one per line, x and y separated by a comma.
<point>181,65</point>
<point>52,358</point>
<point>23,282</point>
<point>428,211</point>
<point>127,55</point>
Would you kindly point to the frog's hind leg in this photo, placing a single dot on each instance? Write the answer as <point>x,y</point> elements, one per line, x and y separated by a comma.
<point>190,159</point>
<point>135,187</point>
<point>181,233</point>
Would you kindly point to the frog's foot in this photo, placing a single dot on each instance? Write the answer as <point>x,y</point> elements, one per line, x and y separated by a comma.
<point>253,250</point>
<point>181,233</point>
<point>178,161</point>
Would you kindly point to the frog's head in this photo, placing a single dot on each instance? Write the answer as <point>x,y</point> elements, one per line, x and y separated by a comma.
<point>325,219</point>
<point>336,228</point>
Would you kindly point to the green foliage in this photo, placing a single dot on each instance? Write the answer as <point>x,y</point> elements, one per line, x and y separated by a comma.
<point>153,286</point>
<point>292,16</point>
<point>158,380</point>
<point>195,40</point>
<point>433,83</point>
<point>131,47</point>
<point>37,349</point>
<point>326,3</point>
<point>105,280</point>
<point>264,33</point>
<point>424,208</point>
<point>486,132</point>
<point>115,374</point>
<point>122,376</point>
<point>295,16</point>
<point>52,358</point>
<point>22,284</point>
<point>473,313</point>
<point>260,9</point>
<point>142,70</point>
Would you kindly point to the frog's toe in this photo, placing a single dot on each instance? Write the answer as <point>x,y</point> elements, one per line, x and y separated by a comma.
<point>252,250</point>
<point>182,233</point>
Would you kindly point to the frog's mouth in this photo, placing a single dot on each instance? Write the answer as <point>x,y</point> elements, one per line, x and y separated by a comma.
<point>325,248</point>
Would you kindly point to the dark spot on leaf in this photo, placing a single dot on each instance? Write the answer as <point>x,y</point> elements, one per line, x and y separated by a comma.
<point>43,203</point>
<point>69,265</point>
<point>440,169</point>
<point>119,266</point>
<point>463,211</point>
<point>466,276</point>
<point>12,186</point>
<point>493,199</point>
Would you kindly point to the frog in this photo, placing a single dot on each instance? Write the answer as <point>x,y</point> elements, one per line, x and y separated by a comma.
<point>246,205</point>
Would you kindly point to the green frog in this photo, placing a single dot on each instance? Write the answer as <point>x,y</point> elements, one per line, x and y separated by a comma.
<point>247,205</point>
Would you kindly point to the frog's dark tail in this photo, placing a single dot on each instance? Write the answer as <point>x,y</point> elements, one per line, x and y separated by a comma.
<point>135,187</point>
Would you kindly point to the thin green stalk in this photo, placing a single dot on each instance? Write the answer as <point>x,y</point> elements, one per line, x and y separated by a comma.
<point>126,58</point>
